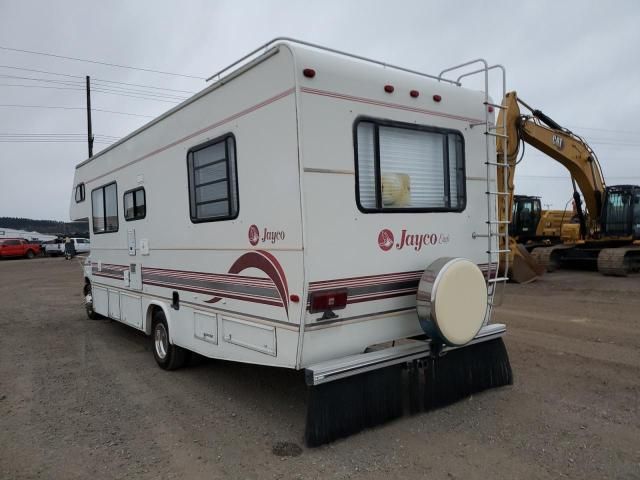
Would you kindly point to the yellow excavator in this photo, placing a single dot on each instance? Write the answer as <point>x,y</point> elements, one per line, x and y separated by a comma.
<point>608,232</point>
<point>534,227</point>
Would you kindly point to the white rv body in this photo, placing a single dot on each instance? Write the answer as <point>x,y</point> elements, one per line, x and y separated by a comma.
<point>244,297</point>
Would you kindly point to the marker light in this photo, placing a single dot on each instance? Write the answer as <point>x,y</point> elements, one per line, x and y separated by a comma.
<point>437,98</point>
<point>388,88</point>
<point>309,72</point>
<point>414,93</point>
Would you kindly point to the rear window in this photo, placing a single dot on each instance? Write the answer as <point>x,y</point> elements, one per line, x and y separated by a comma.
<point>408,168</point>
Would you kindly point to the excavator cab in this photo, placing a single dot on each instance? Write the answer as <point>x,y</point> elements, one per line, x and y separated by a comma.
<point>525,217</point>
<point>621,212</point>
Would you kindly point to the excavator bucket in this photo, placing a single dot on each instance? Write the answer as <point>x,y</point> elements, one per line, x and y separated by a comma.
<point>524,268</point>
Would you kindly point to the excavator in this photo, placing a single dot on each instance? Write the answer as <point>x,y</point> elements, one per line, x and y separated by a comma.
<point>608,231</point>
<point>534,227</point>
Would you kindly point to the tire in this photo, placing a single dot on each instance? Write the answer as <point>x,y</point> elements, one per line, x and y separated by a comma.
<point>168,356</point>
<point>30,254</point>
<point>88,303</point>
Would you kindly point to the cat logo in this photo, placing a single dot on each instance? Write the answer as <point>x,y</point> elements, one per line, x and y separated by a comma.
<point>557,141</point>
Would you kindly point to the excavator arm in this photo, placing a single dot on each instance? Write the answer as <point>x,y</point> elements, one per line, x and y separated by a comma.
<point>541,132</point>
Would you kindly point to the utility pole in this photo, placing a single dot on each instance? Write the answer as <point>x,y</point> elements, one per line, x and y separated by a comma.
<point>89,132</point>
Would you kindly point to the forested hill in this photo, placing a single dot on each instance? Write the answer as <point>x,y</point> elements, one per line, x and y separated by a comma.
<point>52,227</point>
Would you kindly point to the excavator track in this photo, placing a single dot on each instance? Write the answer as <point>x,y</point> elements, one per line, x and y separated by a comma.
<point>547,257</point>
<point>619,261</point>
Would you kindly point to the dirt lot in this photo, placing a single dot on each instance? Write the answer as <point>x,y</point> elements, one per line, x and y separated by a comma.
<point>84,399</point>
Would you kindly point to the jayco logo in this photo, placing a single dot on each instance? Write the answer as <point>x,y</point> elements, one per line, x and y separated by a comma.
<point>412,240</point>
<point>271,236</point>
<point>385,240</point>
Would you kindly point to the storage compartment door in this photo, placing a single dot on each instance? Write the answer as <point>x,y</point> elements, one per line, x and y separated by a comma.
<point>131,309</point>
<point>100,300</point>
<point>261,338</point>
<point>114,304</point>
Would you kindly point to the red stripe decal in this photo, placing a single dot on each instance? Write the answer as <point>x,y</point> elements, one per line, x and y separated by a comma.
<point>268,264</point>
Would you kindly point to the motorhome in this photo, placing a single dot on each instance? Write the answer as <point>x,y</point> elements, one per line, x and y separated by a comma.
<point>287,214</point>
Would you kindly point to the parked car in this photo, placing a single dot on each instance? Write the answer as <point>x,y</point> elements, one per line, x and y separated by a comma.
<point>18,247</point>
<point>56,247</point>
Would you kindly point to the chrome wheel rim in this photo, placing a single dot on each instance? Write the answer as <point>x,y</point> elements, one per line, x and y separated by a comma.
<point>161,341</point>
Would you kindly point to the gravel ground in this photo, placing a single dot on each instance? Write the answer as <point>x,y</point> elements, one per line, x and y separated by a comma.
<point>84,399</point>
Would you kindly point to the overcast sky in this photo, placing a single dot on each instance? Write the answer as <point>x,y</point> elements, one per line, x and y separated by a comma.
<point>576,61</point>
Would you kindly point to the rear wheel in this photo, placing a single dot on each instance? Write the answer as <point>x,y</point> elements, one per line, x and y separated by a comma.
<point>88,303</point>
<point>30,254</point>
<point>168,356</point>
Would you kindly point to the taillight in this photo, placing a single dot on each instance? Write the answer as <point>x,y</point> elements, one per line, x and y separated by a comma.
<point>327,300</point>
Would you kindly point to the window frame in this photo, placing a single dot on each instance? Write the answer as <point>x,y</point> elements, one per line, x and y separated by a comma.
<point>124,209</point>
<point>80,188</point>
<point>190,174</point>
<point>104,208</point>
<point>378,122</point>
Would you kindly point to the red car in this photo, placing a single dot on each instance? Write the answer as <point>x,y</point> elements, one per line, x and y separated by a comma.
<point>18,247</point>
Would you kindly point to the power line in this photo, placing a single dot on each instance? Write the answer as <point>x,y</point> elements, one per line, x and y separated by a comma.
<point>97,79</point>
<point>93,90</point>
<point>102,63</point>
<point>605,130</point>
<point>75,108</point>
<point>112,88</point>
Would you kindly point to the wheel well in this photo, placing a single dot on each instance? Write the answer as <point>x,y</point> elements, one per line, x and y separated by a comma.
<point>87,285</point>
<point>151,311</point>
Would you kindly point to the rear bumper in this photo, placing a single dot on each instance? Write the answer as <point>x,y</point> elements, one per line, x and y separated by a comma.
<point>336,369</point>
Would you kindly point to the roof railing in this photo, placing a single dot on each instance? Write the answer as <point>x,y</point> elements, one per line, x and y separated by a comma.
<point>219,75</point>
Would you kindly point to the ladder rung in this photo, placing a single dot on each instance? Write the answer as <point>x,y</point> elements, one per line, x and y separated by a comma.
<point>495,105</point>
<point>498,279</point>
<point>498,251</point>
<point>497,164</point>
<point>497,193</point>
<point>501,135</point>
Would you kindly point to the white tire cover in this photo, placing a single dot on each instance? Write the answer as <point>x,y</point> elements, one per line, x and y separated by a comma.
<point>452,300</point>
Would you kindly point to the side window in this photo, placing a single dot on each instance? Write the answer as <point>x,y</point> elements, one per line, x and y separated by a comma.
<point>80,193</point>
<point>213,184</point>
<point>408,168</point>
<point>104,205</point>
<point>135,204</point>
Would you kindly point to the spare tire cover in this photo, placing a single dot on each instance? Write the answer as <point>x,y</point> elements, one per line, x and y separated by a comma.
<point>452,300</point>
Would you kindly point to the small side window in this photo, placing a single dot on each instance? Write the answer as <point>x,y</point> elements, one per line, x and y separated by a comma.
<point>80,193</point>
<point>135,204</point>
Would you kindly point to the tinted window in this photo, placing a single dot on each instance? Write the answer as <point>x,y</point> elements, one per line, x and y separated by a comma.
<point>135,206</point>
<point>213,187</point>
<point>402,167</point>
<point>104,205</point>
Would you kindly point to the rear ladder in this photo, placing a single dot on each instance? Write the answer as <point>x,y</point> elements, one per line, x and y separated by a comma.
<point>498,195</point>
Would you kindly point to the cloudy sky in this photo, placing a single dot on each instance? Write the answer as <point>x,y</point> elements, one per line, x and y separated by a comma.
<point>577,61</point>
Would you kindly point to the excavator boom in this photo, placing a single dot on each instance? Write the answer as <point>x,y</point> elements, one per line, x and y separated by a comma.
<point>611,210</point>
